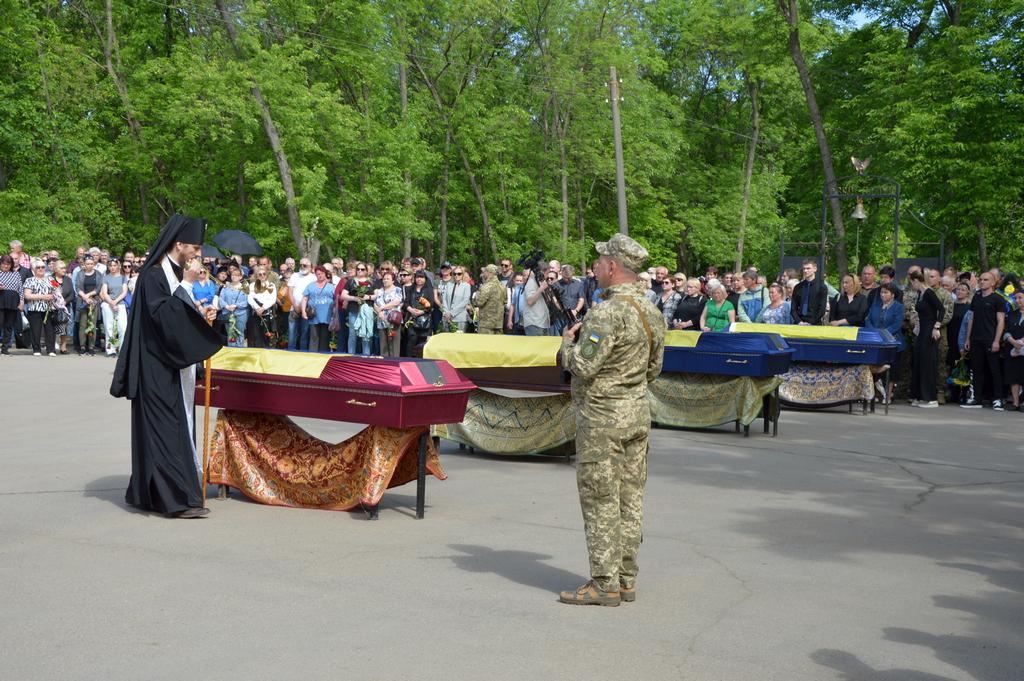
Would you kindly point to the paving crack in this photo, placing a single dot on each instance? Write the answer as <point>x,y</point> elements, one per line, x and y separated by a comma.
<point>936,486</point>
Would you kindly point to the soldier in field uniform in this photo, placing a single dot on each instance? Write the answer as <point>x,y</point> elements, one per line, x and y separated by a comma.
<point>490,302</point>
<point>618,352</point>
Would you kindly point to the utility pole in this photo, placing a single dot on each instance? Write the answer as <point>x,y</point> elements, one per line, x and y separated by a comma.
<point>620,173</point>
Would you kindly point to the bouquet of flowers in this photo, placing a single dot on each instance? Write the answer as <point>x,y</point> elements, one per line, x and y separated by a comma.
<point>420,303</point>
<point>447,325</point>
<point>332,344</point>
<point>961,374</point>
<point>115,333</point>
<point>233,332</point>
<point>90,320</point>
<point>363,289</point>
<point>272,340</point>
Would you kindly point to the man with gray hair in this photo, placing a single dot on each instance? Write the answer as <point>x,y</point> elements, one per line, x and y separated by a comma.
<point>618,353</point>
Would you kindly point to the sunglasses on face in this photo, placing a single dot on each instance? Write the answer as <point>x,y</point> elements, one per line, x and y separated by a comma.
<point>360,269</point>
<point>457,274</point>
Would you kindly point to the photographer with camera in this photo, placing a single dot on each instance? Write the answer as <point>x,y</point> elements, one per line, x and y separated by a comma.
<point>535,318</point>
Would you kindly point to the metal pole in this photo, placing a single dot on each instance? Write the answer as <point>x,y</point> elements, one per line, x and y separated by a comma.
<point>896,228</point>
<point>620,173</point>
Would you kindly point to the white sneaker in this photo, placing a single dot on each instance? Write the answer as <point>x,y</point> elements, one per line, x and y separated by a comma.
<point>37,354</point>
<point>927,405</point>
<point>52,354</point>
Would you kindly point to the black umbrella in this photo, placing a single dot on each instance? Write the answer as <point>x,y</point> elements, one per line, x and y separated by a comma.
<point>212,252</point>
<point>238,241</point>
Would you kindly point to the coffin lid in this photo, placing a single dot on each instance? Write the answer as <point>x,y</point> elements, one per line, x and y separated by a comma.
<point>389,374</point>
<point>479,351</point>
<point>725,342</point>
<point>801,333</point>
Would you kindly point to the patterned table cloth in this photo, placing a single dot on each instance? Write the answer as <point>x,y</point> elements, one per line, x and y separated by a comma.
<point>704,401</point>
<point>514,425</point>
<point>819,385</point>
<point>272,460</point>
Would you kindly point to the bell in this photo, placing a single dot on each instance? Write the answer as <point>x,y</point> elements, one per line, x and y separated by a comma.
<point>859,213</point>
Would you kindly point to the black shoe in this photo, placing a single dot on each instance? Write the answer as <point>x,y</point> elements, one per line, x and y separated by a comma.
<point>90,353</point>
<point>997,405</point>
<point>5,351</point>
<point>971,404</point>
<point>190,513</point>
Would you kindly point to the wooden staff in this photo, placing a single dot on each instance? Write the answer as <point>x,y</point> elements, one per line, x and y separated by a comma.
<point>208,366</point>
<point>208,370</point>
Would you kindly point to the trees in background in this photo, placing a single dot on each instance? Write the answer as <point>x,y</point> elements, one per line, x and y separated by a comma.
<point>472,129</point>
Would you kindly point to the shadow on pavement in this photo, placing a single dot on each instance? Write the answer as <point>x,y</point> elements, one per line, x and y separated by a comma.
<point>993,651</point>
<point>853,669</point>
<point>111,489</point>
<point>522,567</point>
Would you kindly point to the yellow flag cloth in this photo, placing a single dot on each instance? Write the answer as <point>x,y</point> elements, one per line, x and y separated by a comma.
<point>265,361</point>
<point>681,339</point>
<point>481,351</point>
<point>847,333</point>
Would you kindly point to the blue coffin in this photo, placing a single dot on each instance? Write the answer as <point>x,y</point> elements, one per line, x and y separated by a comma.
<point>873,346</point>
<point>731,354</point>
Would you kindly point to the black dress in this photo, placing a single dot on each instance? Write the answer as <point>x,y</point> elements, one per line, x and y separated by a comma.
<point>1013,367</point>
<point>926,349</point>
<point>689,309</point>
<point>853,311</point>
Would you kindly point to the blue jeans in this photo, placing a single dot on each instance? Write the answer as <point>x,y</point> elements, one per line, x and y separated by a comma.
<point>353,317</point>
<point>298,333</point>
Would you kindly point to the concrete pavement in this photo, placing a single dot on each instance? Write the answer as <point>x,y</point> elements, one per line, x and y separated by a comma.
<point>850,547</point>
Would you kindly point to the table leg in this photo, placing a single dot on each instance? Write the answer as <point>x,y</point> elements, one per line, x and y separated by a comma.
<point>864,407</point>
<point>372,512</point>
<point>737,425</point>
<point>222,491</point>
<point>766,414</point>
<point>421,476</point>
<point>776,413</point>
<point>746,430</point>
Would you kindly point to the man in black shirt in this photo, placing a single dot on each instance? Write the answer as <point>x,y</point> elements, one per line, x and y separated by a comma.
<point>988,319</point>
<point>809,297</point>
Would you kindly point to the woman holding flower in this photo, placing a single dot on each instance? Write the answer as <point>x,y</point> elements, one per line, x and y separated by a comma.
<point>234,309</point>
<point>263,302</point>
<point>387,305</point>
<point>115,316</point>
<point>417,310</point>
<point>62,282</point>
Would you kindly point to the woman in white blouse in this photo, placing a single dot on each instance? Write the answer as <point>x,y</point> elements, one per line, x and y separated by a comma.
<point>263,302</point>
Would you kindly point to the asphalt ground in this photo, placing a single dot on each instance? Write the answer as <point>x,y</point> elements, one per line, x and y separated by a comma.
<point>849,547</point>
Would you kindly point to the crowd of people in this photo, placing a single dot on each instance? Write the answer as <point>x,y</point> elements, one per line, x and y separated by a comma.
<point>961,334</point>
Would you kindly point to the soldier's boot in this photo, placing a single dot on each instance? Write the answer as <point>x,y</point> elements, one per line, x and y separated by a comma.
<point>627,594</point>
<point>590,594</point>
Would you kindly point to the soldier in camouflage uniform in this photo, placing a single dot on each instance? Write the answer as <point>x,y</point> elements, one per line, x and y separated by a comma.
<point>619,351</point>
<point>490,302</point>
<point>934,279</point>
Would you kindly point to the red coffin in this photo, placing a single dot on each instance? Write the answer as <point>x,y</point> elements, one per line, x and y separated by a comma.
<point>395,392</point>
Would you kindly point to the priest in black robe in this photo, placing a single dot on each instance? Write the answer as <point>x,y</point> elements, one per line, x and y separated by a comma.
<point>166,337</point>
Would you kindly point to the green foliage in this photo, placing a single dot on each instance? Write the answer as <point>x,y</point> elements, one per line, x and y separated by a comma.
<point>519,90</point>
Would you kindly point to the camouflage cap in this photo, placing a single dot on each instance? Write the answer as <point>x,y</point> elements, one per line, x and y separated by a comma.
<point>493,269</point>
<point>628,252</point>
